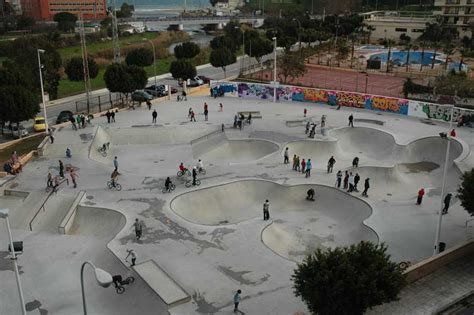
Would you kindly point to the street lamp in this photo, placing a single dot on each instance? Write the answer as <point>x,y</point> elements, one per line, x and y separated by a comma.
<point>242,61</point>
<point>443,185</point>
<point>104,279</point>
<point>274,67</point>
<point>4,215</point>
<point>299,32</point>
<point>41,51</point>
<point>154,58</point>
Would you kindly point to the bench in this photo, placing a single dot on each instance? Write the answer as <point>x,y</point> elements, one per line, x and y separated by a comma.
<point>159,281</point>
<point>255,114</point>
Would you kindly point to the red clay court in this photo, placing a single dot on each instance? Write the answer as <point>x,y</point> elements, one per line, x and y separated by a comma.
<point>346,80</point>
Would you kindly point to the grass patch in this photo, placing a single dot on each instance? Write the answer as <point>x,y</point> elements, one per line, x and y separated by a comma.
<point>22,147</point>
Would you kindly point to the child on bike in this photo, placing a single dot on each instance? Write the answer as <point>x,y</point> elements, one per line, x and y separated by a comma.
<point>168,183</point>
<point>114,177</point>
<point>200,166</point>
<point>182,168</point>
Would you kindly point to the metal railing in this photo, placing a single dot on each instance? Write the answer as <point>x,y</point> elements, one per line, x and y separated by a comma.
<point>44,202</point>
<point>98,103</point>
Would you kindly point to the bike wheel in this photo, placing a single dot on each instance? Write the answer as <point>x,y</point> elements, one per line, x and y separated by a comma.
<point>118,186</point>
<point>198,182</point>
<point>179,174</point>
<point>130,280</point>
<point>120,289</point>
<point>172,187</point>
<point>109,184</point>
<point>104,153</point>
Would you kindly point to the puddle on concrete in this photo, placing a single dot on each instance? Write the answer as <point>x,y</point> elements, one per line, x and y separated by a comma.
<point>420,167</point>
<point>86,136</point>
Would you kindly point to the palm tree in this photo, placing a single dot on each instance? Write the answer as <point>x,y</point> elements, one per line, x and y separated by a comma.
<point>408,47</point>
<point>389,43</point>
<point>353,38</point>
<point>436,47</point>
<point>370,29</point>
<point>448,50</point>
<point>423,45</point>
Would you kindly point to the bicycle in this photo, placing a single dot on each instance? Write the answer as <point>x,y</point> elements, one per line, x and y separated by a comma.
<point>170,189</point>
<point>103,149</point>
<point>119,283</point>
<point>189,183</point>
<point>185,172</point>
<point>111,185</point>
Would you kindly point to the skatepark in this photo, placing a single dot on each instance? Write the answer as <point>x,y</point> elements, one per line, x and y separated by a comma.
<point>201,244</point>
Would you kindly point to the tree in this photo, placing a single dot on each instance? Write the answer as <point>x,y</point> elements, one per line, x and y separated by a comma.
<point>24,22</point>
<point>222,57</point>
<point>257,46</point>
<point>66,21</point>
<point>187,50</point>
<point>348,280</point>
<point>370,29</point>
<point>342,53</point>
<point>126,10</point>
<point>291,65</point>
<point>124,79</point>
<point>389,43</point>
<point>232,30</point>
<point>448,50</point>
<point>141,57</point>
<point>182,69</point>
<point>225,42</point>
<point>436,46</point>
<point>75,68</point>
<point>466,191</point>
<point>408,47</point>
<point>17,103</point>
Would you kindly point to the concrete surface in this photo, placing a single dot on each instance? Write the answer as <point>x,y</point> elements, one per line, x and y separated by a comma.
<point>212,259</point>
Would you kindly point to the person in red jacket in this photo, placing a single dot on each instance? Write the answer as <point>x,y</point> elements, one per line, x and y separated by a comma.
<point>421,193</point>
<point>305,112</point>
<point>453,133</point>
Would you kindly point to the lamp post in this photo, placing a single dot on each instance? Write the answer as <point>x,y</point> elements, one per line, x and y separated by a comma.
<point>41,51</point>
<point>299,33</point>
<point>4,215</point>
<point>104,279</point>
<point>242,60</point>
<point>443,185</point>
<point>154,58</point>
<point>274,68</point>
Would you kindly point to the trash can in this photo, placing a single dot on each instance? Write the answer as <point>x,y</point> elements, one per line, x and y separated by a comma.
<point>442,247</point>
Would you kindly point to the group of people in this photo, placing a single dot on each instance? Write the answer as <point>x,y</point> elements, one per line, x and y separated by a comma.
<point>55,181</point>
<point>299,165</point>
<point>110,114</point>
<point>79,121</point>
<point>198,168</point>
<point>240,120</point>
<point>446,201</point>
<point>13,166</point>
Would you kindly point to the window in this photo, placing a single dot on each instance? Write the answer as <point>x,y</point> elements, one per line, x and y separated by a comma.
<point>398,29</point>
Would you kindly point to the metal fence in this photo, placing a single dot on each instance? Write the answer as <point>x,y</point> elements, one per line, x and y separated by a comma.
<point>100,103</point>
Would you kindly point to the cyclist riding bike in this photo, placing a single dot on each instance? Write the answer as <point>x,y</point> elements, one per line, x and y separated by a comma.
<point>105,146</point>
<point>182,168</point>
<point>114,177</point>
<point>168,183</point>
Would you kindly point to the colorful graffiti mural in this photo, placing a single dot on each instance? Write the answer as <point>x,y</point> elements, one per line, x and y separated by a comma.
<point>436,111</point>
<point>252,90</point>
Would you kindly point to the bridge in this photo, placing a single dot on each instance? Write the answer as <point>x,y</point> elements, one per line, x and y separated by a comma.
<point>180,21</point>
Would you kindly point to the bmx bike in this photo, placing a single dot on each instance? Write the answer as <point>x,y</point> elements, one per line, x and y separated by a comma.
<point>170,189</point>
<point>189,183</point>
<point>111,185</point>
<point>119,283</point>
<point>182,173</point>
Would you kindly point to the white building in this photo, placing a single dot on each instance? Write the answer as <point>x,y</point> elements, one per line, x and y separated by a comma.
<point>457,13</point>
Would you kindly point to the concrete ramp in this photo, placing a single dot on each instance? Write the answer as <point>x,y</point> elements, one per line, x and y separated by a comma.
<point>160,282</point>
<point>98,222</point>
<point>235,151</point>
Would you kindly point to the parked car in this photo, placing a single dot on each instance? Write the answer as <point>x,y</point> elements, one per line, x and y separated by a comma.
<point>39,124</point>
<point>64,116</point>
<point>13,130</point>
<point>156,91</point>
<point>141,96</point>
<point>204,79</point>
<point>193,83</point>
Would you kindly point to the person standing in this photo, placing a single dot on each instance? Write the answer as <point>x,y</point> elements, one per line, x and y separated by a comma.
<point>294,163</point>
<point>112,116</point>
<point>266,210</point>
<point>308,168</point>
<point>366,187</point>
<point>351,183</point>
<point>51,137</point>
<point>249,119</point>
<point>206,113</point>
<point>303,166</point>
<point>355,162</point>
<point>297,164</point>
<point>305,111</point>
<point>308,124</point>
<point>194,175</point>
<point>190,110</point>
<point>237,301</point>
<point>447,201</point>
<point>138,229</point>
<point>131,253</point>
<point>73,175</point>
<point>78,120</point>
<point>346,181</point>
<point>356,181</point>
<point>351,121</point>
<point>338,179</point>
<point>331,163</point>
<point>323,121</point>
<point>421,193</point>
<point>107,114</point>
<point>221,107</point>
<point>73,122</point>
<point>453,133</point>
<point>116,163</point>
<point>61,169</point>
<point>68,153</point>
<point>286,156</point>
<point>193,116</point>
<point>83,120</point>
<point>154,115</point>
<point>148,103</point>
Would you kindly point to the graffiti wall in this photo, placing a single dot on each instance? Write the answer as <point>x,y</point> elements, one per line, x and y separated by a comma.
<point>342,98</point>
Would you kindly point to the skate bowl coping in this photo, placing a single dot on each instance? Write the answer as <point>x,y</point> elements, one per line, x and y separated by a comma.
<point>161,282</point>
<point>70,215</point>
<point>370,121</point>
<point>299,226</point>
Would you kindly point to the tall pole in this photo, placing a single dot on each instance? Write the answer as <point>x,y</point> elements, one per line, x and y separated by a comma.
<point>274,68</point>
<point>41,51</point>
<point>243,45</point>
<point>85,61</point>
<point>443,185</point>
<point>15,264</point>
<point>299,33</point>
<point>154,60</point>
<point>115,37</point>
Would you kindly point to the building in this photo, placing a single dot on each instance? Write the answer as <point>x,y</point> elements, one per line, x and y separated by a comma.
<point>390,25</point>
<point>44,10</point>
<point>457,13</point>
<point>16,5</point>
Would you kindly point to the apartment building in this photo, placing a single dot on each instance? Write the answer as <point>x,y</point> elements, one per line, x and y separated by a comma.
<point>45,10</point>
<point>458,13</point>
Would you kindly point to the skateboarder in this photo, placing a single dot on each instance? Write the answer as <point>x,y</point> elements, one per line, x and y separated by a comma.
<point>447,201</point>
<point>366,187</point>
<point>286,158</point>
<point>266,210</point>
<point>351,121</point>
<point>331,163</point>
<point>310,194</point>
<point>421,193</point>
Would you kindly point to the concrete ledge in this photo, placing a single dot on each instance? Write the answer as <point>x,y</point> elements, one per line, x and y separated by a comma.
<point>68,219</point>
<point>430,265</point>
<point>42,146</point>
<point>5,178</point>
<point>158,280</point>
<point>16,193</point>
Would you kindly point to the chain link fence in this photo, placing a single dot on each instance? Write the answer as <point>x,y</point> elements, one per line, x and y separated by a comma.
<point>100,103</point>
